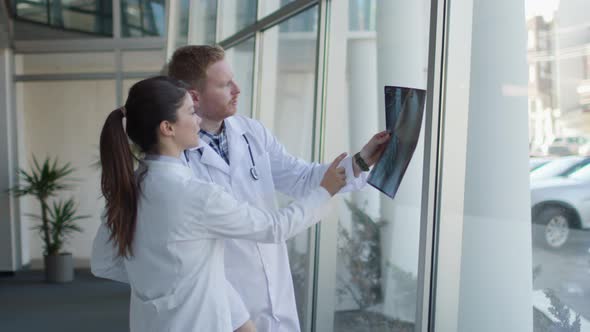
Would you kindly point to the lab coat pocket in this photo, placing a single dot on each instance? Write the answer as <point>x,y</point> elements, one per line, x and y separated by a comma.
<point>160,304</point>
<point>153,315</point>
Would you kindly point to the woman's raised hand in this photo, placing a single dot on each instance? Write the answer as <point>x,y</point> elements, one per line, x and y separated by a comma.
<point>335,177</point>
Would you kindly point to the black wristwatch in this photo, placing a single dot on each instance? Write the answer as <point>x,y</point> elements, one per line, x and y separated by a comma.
<point>360,162</point>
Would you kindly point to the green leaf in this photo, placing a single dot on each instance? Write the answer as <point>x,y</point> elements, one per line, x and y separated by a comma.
<point>44,180</point>
<point>62,221</point>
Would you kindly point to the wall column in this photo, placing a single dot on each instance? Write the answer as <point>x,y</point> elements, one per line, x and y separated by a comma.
<point>496,271</point>
<point>10,244</point>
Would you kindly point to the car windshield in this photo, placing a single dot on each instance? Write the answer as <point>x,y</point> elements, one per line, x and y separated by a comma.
<point>581,174</point>
<point>555,168</point>
<point>536,163</point>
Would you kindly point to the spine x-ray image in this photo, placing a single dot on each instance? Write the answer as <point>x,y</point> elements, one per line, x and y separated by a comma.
<point>404,108</point>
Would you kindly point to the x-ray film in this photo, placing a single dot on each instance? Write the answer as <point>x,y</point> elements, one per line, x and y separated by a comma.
<point>404,109</point>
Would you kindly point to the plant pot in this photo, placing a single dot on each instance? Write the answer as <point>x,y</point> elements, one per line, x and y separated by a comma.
<point>59,268</point>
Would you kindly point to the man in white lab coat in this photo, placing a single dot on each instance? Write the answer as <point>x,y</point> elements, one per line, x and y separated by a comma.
<point>245,158</point>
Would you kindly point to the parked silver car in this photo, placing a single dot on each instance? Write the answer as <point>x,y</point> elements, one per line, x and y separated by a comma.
<point>559,205</point>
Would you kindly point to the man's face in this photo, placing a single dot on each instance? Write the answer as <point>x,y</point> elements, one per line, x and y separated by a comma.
<point>219,96</point>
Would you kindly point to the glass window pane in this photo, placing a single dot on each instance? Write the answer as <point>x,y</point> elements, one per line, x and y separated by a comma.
<point>362,15</point>
<point>236,15</point>
<point>92,16</point>
<point>524,237</point>
<point>241,58</point>
<point>559,125</point>
<point>373,240</point>
<point>32,10</point>
<point>287,109</point>
<point>181,29</point>
<point>141,18</point>
<point>205,20</point>
<point>301,23</point>
<point>79,15</point>
<point>269,6</point>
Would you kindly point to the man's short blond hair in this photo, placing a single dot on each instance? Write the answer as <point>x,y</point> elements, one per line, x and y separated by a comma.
<point>190,63</point>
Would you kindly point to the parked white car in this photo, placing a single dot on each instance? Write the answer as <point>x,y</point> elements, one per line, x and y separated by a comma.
<point>536,162</point>
<point>569,145</point>
<point>563,166</point>
<point>559,205</point>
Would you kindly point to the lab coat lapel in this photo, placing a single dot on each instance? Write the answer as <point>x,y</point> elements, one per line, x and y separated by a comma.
<point>239,159</point>
<point>211,158</point>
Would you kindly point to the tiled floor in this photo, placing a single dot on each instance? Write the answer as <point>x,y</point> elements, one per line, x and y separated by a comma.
<point>89,304</point>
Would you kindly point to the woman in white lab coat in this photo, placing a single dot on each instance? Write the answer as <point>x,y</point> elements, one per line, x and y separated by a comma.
<point>167,227</point>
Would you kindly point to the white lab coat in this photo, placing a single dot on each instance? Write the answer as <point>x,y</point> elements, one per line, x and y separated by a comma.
<point>259,272</point>
<point>177,273</point>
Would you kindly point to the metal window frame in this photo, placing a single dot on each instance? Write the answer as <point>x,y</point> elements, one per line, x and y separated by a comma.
<point>172,7</point>
<point>320,98</point>
<point>282,14</point>
<point>88,45</point>
<point>82,76</point>
<point>6,36</point>
<point>430,207</point>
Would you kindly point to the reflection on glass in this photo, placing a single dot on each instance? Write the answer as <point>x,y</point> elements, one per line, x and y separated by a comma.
<point>287,109</point>
<point>181,37</point>
<point>32,10</point>
<point>205,20</point>
<point>236,15</point>
<point>377,238</point>
<point>559,124</point>
<point>559,167</point>
<point>80,15</point>
<point>582,174</point>
<point>141,18</point>
<point>301,23</point>
<point>270,6</point>
<point>241,58</point>
<point>362,15</point>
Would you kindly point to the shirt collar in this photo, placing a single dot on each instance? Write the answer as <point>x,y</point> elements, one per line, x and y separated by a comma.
<point>230,127</point>
<point>168,159</point>
<point>210,136</point>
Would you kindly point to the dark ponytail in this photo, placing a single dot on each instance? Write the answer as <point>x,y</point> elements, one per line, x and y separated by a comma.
<point>150,102</point>
<point>118,182</point>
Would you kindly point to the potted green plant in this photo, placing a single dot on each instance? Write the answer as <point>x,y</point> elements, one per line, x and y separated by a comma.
<point>58,217</point>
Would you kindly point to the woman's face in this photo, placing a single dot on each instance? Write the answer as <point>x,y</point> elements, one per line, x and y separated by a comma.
<point>186,126</point>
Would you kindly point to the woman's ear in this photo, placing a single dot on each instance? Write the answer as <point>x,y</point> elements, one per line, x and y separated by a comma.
<point>166,129</point>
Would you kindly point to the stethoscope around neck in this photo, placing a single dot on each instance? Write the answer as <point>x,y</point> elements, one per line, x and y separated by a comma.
<point>253,169</point>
